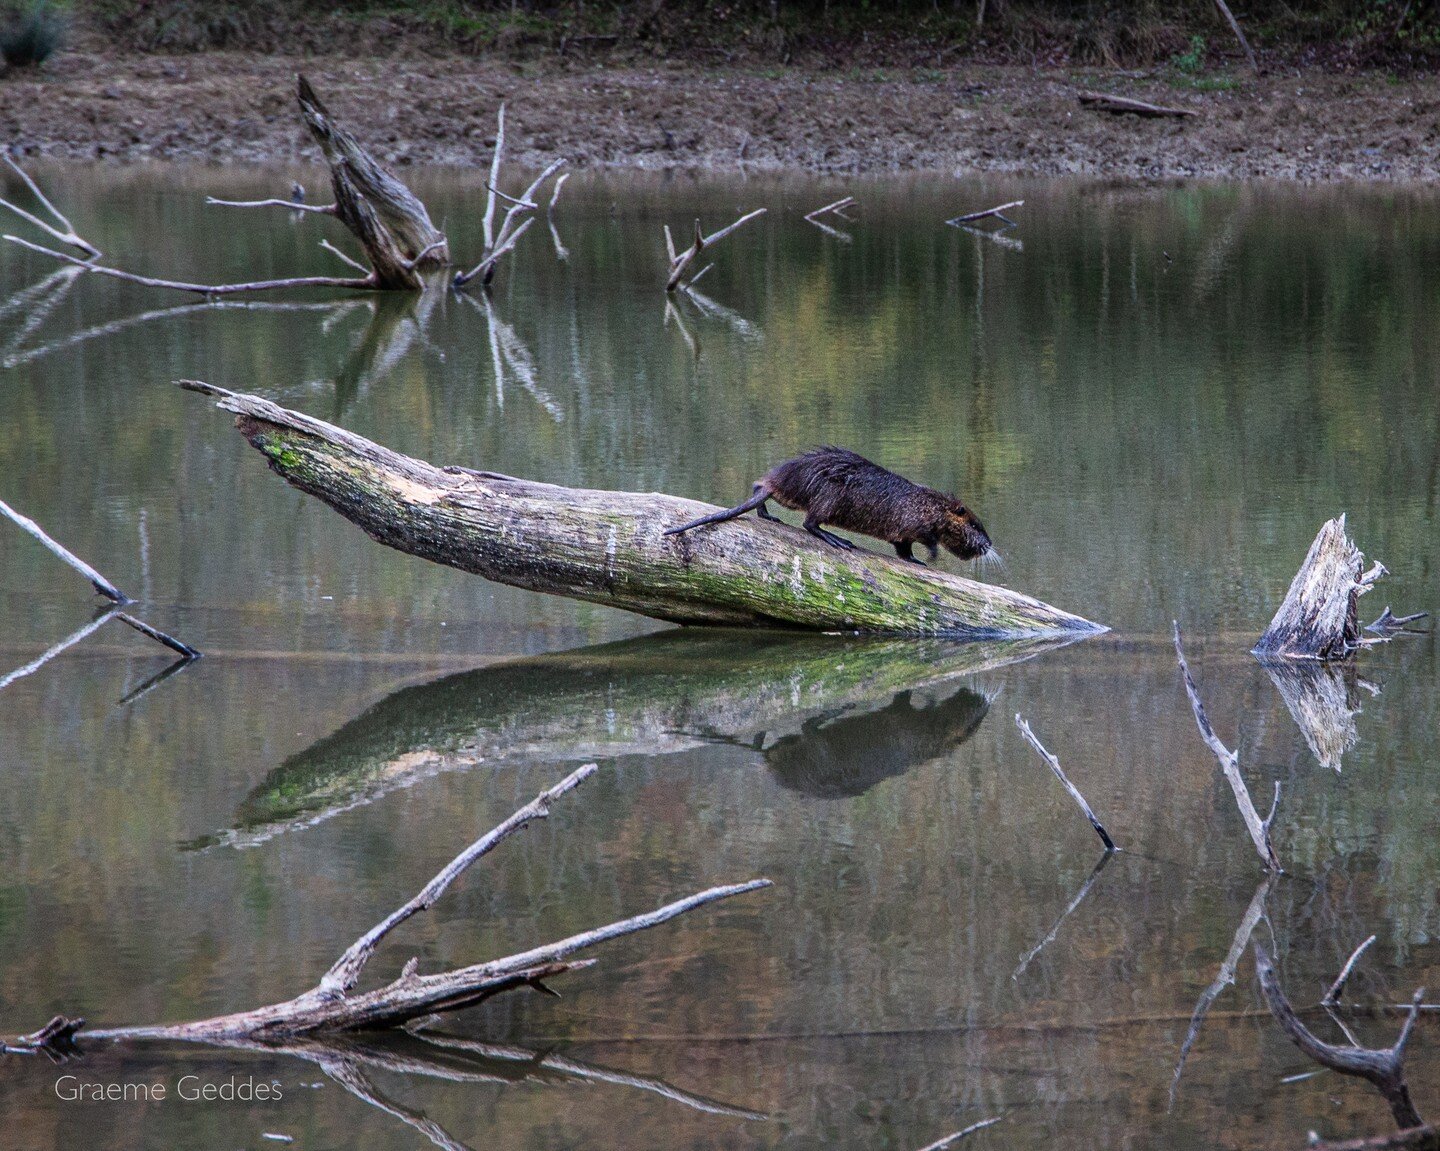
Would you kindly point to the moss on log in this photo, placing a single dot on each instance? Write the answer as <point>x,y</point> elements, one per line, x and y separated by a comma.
<point>610,548</point>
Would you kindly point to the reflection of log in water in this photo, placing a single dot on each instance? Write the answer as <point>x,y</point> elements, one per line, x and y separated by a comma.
<point>659,695</point>
<point>1323,699</point>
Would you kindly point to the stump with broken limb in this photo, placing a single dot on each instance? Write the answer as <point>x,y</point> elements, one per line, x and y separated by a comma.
<point>611,548</point>
<point>333,1006</point>
<point>391,224</point>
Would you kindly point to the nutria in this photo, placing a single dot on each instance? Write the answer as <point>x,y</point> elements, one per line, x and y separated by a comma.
<point>838,487</point>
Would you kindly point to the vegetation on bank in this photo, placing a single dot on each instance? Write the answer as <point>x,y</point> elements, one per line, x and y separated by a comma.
<point>1393,34</point>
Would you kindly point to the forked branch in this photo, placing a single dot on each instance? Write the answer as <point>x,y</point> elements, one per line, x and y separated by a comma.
<point>328,1008</point>
<point>680,264</point>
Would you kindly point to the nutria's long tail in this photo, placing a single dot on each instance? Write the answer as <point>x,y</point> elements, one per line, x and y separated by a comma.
<point>728,514</point>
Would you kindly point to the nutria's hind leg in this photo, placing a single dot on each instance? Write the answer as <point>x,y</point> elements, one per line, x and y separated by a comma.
<point>812,525</point>
<point>763,510</point>
<point>902,549</point>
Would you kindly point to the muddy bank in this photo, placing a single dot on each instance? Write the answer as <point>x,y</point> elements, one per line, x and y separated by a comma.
<point>224,107</point>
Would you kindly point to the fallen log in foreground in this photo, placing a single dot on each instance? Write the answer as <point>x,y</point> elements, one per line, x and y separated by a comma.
<point>609,547</point>
<point>333,1005</point>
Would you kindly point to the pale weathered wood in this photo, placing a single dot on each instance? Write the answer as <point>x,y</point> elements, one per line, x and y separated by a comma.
<point>1034,741</point>
<point>610,547</point>
<point>1413,1139</point>
<point>1120,105</point>
<point>1320,617</point>
<point>1258,828</point>
<point>399,211</point>
<point>1239,33</point>
<point>680,263</point>
<point>1337,989</point>
<point>69,235</point>
<point>328,1008</point>
<point>997,212</point>
<point>1323,699</point>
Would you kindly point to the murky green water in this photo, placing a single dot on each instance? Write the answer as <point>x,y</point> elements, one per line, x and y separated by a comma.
<point>1153,400</point>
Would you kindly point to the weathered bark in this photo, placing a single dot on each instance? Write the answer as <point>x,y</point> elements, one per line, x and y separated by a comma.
<point>827,715</point>
<point>330,1007</point>
<point>404,218</point>
<point>1415,1139</point>
<point>1320,617</point>
<point>610,547</point>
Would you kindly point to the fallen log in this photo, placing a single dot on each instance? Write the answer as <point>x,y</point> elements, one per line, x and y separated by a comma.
<point>333,1006</point>
<point>1123,105</point>
<point>1320,616</point>
<point>610,547</point>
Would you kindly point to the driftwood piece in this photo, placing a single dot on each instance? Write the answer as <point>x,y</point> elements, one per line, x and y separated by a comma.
<point>680,263</point>
<point>329,1007</point>
<point>1384,1068</point>
<point>1125,105</point>
<point>610,547</point>
<point>1389,624</point>
<point>824,714</point>
<point>1054,762</point>
<point>101,585</point>
<point>1337,989</point>
<point>1320,617</point>
<point>399,211</point>
<point>997,213</point>
<point>518,216</point>
<point>1258,828</point>
<point>836,209</point>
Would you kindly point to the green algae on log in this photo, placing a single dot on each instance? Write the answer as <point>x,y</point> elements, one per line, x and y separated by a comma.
<point>610,547</point>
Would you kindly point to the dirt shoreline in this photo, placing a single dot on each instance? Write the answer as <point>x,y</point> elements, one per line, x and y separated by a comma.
<point>1309,126</point>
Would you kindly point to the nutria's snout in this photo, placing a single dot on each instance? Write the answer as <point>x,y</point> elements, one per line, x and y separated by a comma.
<point>964,535</point>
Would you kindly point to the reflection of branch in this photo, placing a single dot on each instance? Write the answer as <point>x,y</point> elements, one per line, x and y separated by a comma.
<point>507,349</point>
<point>45,294</point>
<point>333,309</point>
<point>1224,978</point>
<point>68,236</point>
<point>1230,765</point>
<point>1385,1068</point>
<point>349,1074</point>
<point>1064,915</point>
<point>673,313</point>
<point>940,1144</point>
<point>327,1009</point>
<point>708,307</point>
<point>41,660</point>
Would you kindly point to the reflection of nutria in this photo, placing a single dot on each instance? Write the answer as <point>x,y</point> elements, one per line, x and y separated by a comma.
<point>835,486</point>
<point>848,756</point>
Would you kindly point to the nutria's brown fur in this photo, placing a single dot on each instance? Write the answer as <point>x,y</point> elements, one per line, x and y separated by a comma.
<point>838,487</point>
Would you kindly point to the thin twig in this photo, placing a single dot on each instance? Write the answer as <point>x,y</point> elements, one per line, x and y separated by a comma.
<point>679,264</point>
<point>1074,791</point>
<point>334,251</point>
<point>837,207</point>
<point>997,212</point>
<point>101,584</point>
<point>293,205</point>
<point>184,650</point>
<point>494,178</point>
<point>1337,989</point>
<point>555,192</point>
<point>69,236</point>
<point>346,970</point>
<point>1230,765</point>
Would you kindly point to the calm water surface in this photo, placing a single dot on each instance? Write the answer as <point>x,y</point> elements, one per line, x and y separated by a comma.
<point>1153,398</point>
